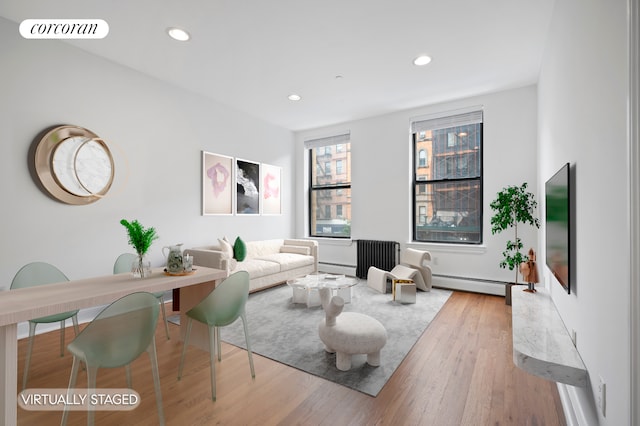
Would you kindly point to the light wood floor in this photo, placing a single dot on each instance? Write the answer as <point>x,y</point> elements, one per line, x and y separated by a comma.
<point>460,372</point>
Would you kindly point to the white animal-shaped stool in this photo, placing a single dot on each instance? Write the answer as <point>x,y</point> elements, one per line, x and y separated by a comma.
<point>350,333</point>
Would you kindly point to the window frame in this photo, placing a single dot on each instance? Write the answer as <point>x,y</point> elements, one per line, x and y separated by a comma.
<point>417,136</point>
<point>340,142</point>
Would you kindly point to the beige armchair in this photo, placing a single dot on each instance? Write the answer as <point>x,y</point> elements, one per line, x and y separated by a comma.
<point>412,267</point>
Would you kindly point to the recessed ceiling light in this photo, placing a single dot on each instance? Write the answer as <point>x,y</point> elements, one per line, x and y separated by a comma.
<point>422,60</point>
<point>178,34</point>
<point>294,97</point>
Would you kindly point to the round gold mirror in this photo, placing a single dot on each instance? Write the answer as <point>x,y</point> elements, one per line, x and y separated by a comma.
<point>74,165</point>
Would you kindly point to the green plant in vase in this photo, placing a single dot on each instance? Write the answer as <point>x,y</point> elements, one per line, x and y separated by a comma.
<point>140,238</point>
<point>513,205</point>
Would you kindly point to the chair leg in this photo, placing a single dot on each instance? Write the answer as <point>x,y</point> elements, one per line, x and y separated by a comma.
<point>156,378</point>
<point>76,329</point>
<point>212,345</point>
<point>92,373</point>
<point>184,347</point>
<point>218,343</point>
<point>246,338</point>
<point>127,371</point>
<point>27,361</point>
<point>62,324</point>
<point>164,317</point>
<point>72,385</point>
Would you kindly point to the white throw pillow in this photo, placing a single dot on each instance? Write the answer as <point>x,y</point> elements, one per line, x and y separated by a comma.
<point>296,250</point>
<point>233,264</point>
<point>225,247</point>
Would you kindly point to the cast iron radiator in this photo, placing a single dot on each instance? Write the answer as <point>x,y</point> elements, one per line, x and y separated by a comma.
<point>381,254</point>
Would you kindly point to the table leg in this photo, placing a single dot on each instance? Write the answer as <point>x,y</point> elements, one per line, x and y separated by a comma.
<point>175,297</point>
<point>9,374</point>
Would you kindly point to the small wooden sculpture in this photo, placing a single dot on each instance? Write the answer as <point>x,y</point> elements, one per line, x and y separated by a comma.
<point>529,271</point>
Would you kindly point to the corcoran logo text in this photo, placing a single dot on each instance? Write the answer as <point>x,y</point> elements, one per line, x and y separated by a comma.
<point>64,28</point>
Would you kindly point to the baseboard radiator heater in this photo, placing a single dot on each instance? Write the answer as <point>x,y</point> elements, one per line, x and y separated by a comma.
<point>381,254</point>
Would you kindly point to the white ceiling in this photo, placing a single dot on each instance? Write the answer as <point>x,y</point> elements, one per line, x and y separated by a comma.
<point>251,54</point>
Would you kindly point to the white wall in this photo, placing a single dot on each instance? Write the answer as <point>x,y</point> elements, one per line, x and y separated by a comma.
<point>156,133</point>
<point>583,120</point>
<point>381,175</point>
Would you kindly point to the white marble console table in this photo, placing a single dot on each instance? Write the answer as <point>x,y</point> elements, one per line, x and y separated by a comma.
<point>542,345</point>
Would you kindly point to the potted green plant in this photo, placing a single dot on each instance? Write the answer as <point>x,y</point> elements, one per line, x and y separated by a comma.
<point>513,205</point>
<point>140,238</point>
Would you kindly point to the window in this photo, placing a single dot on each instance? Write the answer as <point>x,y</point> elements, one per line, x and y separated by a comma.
<point>330,193</point>
<point>447,197</point>
<point>422,158</point>
<point>327,168</point>
<point>422,215</point>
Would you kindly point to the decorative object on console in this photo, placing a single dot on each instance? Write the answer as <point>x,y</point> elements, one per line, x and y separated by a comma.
<point>217,184</point>
<point>74,165</point>
<point>271,190</point>
<point>247,187</point>
<point>140,239</point>
<point>350,333</point>
<point>529,271</point>
<point>513,205</point>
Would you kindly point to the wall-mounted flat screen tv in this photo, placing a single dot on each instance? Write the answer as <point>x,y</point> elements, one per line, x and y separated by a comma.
<point>557,225</point>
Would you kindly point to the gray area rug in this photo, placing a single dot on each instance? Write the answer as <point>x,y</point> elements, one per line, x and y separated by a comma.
<point>288,333</point>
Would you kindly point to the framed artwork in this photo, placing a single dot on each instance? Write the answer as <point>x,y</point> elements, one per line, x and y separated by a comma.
<point>247,187</point>
<point>271,190</point>
<point>217,184</point>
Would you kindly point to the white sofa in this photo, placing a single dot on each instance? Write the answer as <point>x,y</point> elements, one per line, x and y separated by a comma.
<point>268,262</point>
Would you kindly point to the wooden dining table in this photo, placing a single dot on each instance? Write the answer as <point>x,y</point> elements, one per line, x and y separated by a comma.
<point>26,303</point>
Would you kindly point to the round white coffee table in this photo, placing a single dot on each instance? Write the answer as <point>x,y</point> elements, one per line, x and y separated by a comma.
<point>305,289</point>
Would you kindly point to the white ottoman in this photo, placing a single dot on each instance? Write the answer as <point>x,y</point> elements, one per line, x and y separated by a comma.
<point>349,333</point>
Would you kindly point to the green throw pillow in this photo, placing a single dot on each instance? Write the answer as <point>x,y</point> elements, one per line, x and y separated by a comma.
<point>239,250</point>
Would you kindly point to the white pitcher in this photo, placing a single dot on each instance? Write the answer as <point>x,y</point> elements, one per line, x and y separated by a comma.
<point>174,258</point>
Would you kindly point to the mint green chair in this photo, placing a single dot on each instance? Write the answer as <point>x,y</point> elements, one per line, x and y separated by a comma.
<point>123,264</point>
<point>115,338</point>
<point>221,307</point>
<point>35,274</point>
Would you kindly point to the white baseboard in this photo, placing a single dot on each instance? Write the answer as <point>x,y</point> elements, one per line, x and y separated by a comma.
<point>332,268</point>
<point>469,284</point>
<point>578,405</point>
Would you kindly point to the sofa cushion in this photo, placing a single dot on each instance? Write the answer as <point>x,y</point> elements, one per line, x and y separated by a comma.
<point>258,267</point>
<point>287,261</point>
<point>295,249</point>
<point>263,247</point>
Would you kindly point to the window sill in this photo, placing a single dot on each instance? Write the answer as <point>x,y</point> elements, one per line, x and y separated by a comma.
<point>449,248</point>
<point>333,241</point>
